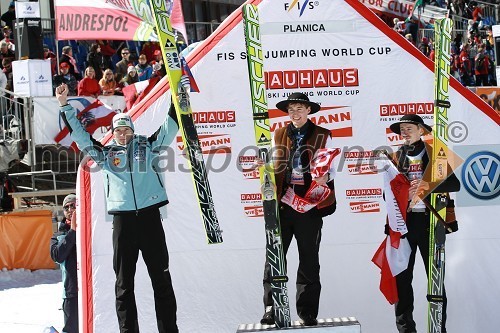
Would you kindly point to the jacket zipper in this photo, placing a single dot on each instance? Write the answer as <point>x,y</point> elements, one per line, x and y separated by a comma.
<point>132,181</point>
<point>107,179</point>
<point>157,175</point>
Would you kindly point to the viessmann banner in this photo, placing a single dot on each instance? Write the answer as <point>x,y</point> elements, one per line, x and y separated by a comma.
<point>110,19</point>
<point>366,77</point>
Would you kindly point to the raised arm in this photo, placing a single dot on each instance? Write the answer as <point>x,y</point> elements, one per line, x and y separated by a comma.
<point>83,139</point>
<point>167,131</point>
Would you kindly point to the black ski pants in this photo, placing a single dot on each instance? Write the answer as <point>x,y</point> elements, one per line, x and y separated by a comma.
<point>70,310</point>
<point>418,237</point>
<point>142,231</point>
<point>306,227</point>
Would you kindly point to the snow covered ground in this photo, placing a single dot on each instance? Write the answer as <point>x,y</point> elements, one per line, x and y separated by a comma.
<point>30,300</point>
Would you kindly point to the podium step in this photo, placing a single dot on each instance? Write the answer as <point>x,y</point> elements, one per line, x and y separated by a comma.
<point>335,325</point>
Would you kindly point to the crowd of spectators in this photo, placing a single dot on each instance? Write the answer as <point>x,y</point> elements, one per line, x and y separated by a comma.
<point>102,75</point>
<point>472,50</point>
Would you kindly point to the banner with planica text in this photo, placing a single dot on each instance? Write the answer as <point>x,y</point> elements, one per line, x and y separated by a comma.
<point>366,77</point>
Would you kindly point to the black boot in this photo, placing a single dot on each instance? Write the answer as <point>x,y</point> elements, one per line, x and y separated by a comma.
<point>309,321</point>
<point>268,317</point>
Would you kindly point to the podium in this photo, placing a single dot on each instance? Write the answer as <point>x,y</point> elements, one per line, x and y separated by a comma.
<point>333,325</point>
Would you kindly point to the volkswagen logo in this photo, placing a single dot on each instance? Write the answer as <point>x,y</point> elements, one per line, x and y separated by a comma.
<point>481,175</point>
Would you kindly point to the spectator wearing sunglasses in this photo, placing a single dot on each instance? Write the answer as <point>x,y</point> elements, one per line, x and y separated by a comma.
<point>63,251</point>
<point>122,65</point>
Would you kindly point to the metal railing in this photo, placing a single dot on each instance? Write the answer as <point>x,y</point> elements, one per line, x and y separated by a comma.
<point>14,115</point>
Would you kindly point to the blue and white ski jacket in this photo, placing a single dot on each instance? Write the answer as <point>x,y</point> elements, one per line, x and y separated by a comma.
<point>132,176</point>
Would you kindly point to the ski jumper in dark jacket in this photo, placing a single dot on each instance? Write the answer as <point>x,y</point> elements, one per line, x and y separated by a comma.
<point>412,160</point>
<point>63,251</point>
<point>294,149</point>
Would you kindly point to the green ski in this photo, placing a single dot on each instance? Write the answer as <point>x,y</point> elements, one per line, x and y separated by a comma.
<point>161,10</point>
<point>437,232</point>
<point>274,247</point>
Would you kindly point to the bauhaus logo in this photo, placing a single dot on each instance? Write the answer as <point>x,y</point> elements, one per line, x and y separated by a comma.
<point>388,110</point>
<point>207,117</point>
<point>481,175</point>
<point>312,78</point>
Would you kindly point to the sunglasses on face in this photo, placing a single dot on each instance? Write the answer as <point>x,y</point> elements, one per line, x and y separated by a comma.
<point>125,53</point>
<point>70,206</point>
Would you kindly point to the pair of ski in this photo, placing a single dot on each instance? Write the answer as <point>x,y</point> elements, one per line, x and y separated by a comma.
<point>437,232</point>
<point>161,10</point>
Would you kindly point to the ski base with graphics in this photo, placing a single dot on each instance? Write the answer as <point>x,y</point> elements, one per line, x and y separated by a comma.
<point>161,10</point>
<point>437,230</point>
<point>274,246</point>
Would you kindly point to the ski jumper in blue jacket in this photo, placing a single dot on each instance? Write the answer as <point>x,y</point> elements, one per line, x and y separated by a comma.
<point>134,192</point>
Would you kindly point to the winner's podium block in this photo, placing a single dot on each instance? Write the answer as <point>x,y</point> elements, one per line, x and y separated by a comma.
<point>334,325</point>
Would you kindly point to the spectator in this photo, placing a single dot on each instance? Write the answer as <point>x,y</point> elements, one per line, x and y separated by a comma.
<point>5,52</point>
<point>412,28</point>
<point>144,70</point>
<point>89,86</point>
<point>7,70</point>
<point>65,77</point>
<point>10,15</point>
<point>408,38</point>
<point>63,251</point>
<point>159,69</point>
<point>131,76</point>
<point>94,60</point>
<point>398,26</point>
<point>425,47</point>
<point>148,49</point>
<point>122,65</point>
<point>108,83</point>
<point>6,37</point>
<point>464,69</point>
<point>67,57</point>
<point>107,52</point>
<point>48,54</point>
<point>119,84</point>
<point>481,65</point>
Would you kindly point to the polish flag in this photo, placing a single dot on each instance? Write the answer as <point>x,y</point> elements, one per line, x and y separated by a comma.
<point>94,116</point>
<point>393,254</point>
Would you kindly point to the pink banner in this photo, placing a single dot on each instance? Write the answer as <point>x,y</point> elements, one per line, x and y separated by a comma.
<point>99,23</point>
<point>110,19</point>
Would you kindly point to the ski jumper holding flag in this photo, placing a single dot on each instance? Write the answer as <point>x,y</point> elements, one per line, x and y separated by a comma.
<point>134,193</point>
<point>295,145</point>
<point>412,160</point>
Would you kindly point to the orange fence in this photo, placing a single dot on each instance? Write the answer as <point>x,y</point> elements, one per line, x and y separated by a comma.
<point>25,240</point>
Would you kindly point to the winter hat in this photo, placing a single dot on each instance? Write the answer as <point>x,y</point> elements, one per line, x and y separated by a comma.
<point>409,119</point>
<point>298,98</point>
<point>68,199</point>
<point>131,68</point>
<point>122,120</point>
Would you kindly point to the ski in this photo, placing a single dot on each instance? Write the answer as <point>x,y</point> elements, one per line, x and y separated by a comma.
<point>274,246</point>
<point>161,10</point>
<point>437,233</point>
